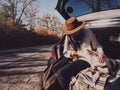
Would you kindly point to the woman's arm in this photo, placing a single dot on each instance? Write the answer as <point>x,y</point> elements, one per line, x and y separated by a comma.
<point>96,46</point>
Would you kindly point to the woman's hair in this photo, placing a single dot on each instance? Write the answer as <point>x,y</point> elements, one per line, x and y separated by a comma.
<point>77,38</point>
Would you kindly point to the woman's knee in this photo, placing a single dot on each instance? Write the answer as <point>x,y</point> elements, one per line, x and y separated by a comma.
<point>83,63</point>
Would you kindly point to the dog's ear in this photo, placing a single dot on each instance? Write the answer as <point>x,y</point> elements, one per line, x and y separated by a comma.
<point>89,52</point>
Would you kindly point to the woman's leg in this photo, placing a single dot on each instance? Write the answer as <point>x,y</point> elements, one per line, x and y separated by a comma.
<point>65,73</point>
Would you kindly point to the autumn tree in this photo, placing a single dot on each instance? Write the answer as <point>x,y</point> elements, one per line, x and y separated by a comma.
<point>30,14</point>
<point>14,10</point>
<point>4,15</point>
<point>51,23</point>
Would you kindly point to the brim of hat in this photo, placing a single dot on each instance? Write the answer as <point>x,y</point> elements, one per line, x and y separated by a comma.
<point>66,31</point>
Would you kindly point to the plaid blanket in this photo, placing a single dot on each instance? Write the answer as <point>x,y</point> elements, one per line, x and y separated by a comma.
<point>94,78</point>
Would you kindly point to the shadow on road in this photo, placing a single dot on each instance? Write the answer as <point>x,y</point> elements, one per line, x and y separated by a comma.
<point>27,65</point>
<point>21,69</point>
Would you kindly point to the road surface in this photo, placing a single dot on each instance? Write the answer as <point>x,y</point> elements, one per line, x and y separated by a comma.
<point>20,69</point>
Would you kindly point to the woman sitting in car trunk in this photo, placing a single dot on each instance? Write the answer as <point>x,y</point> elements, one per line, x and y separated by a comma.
<point>77,38</point>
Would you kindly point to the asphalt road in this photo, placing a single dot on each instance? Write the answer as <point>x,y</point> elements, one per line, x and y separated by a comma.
<point>20,69</point>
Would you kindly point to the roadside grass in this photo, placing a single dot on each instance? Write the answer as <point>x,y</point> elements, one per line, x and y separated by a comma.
<point>25,38</point>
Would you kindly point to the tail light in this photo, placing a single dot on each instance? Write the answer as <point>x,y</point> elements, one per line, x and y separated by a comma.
<point>53,54</point>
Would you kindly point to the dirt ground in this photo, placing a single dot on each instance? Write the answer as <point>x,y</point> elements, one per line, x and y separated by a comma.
<point>21,70</point>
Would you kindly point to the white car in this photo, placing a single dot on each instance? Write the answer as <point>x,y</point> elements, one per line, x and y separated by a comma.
<point>101,16</point>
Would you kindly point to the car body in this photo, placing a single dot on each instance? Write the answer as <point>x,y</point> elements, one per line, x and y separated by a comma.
<point>101,16</point>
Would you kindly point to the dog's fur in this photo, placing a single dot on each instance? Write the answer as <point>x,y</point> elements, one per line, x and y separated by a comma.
<point>92,58</point>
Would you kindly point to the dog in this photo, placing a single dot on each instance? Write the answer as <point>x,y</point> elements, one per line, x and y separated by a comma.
<point>92,58</point>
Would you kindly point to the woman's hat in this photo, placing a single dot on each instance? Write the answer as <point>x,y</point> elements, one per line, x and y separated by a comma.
<point>72,25</point>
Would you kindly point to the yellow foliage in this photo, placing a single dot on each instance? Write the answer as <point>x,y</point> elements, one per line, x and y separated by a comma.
<point>44,32</point>
<point>40,31</point>
<point>10,21</point>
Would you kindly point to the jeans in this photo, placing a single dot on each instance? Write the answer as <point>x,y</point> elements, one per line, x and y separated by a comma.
<point>69,70</point>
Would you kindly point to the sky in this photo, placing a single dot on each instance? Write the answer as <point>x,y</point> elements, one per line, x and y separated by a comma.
<point>48,6</point>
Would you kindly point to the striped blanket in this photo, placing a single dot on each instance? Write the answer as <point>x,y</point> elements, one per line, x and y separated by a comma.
<point>94,78</point>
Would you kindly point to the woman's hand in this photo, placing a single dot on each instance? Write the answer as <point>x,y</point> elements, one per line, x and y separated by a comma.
<point>100,57</point>
<point>74,55</point>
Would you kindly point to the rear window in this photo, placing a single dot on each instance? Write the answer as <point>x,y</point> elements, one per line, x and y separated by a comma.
<point>109,4</point>
<point>81,7</point>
